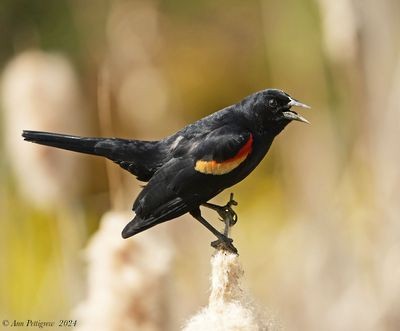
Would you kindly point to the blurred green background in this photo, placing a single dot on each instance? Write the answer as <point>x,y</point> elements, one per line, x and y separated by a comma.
<point>319,219</point>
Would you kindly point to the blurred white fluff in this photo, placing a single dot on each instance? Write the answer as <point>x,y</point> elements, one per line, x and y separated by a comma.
<point>229,308</point>
<point>127,279</point>
<point>339,28</point>
<point>40,92</point>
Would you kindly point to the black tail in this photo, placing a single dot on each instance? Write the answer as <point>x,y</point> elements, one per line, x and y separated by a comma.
<point>141,158</point>
<point>71,143</point>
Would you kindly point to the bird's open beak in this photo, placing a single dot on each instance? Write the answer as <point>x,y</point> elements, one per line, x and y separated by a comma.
<point>291,115</point>
<point>296,103</point>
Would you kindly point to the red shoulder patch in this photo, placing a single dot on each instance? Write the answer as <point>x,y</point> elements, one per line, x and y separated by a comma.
<point>220,168</point>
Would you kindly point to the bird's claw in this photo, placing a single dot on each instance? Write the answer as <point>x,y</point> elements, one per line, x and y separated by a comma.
<point>224,243</point>
<point>229,217</point>
<point>226,212</point>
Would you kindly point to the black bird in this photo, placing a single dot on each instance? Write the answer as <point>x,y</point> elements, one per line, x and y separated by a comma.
<point>190,167</point>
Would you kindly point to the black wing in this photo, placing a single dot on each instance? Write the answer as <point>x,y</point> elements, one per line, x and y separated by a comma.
<point>177,187</point>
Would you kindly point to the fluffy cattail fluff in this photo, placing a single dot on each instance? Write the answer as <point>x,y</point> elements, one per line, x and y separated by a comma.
<point>229,308</point>
<point>40,91</point>
<point>126,279</point>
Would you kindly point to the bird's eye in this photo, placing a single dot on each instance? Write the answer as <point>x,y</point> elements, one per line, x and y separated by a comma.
<point>272,103</point>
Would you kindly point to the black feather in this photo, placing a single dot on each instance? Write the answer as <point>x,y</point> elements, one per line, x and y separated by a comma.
<point>141,158</point>
<point>175,185</point>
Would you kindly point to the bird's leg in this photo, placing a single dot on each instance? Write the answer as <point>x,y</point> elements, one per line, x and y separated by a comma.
<point>223,241</point>
<point>226,212</point>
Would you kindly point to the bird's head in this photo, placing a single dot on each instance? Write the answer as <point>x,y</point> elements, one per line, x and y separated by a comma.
<point>274,109</point>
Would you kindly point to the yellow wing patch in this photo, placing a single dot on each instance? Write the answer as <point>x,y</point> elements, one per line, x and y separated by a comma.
<point>217,168</point>
<point>220,168</point>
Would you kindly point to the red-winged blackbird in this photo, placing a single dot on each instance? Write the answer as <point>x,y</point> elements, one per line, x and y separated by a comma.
<point>190,167</point>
